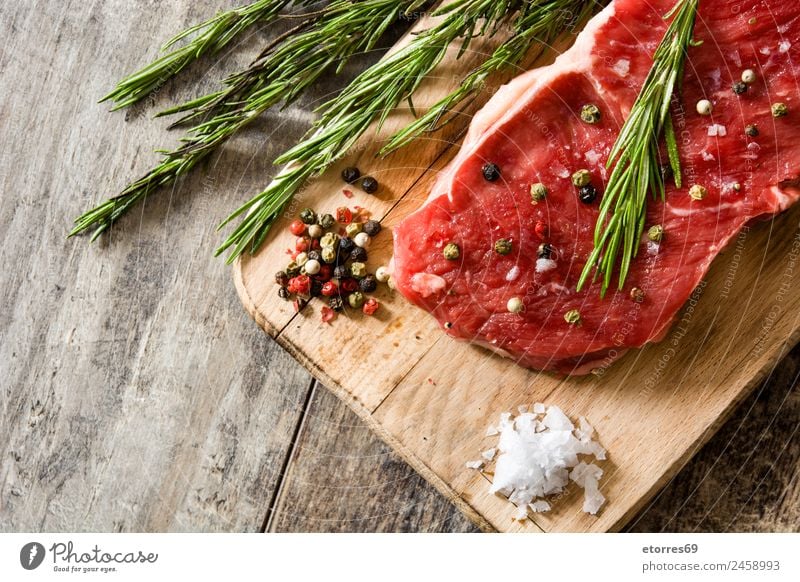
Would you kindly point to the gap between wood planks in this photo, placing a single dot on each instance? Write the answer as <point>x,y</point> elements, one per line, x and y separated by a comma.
<point>277,494</point>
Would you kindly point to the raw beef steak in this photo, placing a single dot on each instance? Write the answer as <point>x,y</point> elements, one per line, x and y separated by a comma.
<point>532,131</point>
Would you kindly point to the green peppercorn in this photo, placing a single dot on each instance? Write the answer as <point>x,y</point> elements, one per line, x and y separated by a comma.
<point>356,299</point>
<point>538,192</point>
<point>331,239</point>
<point>502,246</point>
<point>655,233</point>
<point>637,295</point>
<point>581,178</point>
<point>779,110</point>
<point>491,172</point>
<point>697,192</point>
<point>573,317</point>
<point>336,303</point>
<point>368,284</point>
<point>590,113</point>
<point>293,269</point>
<point>308,216</point>
<point>350,174</point>
<point>451,251</point>
<point>353,229</point>
<point>372,227</point>
<point>358,270</point>
<point>369,185</point>
<point>328,254</point>
<point>751,130</point>
<point>281,278</point>
<point>359,255</point>
<point>327,221</point>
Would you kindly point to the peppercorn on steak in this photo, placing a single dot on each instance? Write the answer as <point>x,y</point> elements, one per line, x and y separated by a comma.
<point>496,251</point>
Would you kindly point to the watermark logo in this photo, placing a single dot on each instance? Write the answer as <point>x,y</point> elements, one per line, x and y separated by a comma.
<point>31,555</point>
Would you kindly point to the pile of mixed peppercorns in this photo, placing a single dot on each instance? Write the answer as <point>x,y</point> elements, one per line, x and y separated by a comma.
<point>331,264</point>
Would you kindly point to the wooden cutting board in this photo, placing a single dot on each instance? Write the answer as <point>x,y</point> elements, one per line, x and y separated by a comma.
<point>431,398</point>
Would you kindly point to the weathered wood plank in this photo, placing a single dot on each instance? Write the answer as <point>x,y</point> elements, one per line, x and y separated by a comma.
<point>343,478</point>
<point>137,395</point>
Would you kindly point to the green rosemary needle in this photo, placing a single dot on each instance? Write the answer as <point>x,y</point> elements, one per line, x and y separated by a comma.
<point>635,155</point>
<point>370,97</point>
<point>539,22</point>
<point>342,29</point>
<point>210,36</point>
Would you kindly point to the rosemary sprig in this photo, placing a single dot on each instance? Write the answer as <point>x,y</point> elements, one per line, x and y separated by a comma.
<point>211,36</point>
<point>370,97</point>
<point>539,22</point>
<point>636,157</point>
<point>342,29</point>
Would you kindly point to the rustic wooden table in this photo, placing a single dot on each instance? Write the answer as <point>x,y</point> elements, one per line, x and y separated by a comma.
<point>136,393</point>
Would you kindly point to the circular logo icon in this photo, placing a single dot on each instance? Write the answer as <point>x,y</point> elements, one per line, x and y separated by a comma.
<point>31,555</point>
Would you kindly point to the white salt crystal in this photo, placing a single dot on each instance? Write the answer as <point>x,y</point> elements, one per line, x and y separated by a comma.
<point>521,514</point>
<point>512,274</point>
<point>522,409</point>
<point>474,464</point>
<point>544,265</point>
<point>592,157</point>
<point>784,46</point>
<point>492,431</point>
<point>539,506</point>
<point>622,67</point>
<point>535,458</point>
<point>717,130</point>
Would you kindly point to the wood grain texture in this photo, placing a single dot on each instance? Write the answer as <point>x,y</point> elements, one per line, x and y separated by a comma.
<point>343,479</point>
<point>138,396</point>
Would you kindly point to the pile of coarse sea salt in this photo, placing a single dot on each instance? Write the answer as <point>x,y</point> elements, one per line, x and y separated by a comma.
<point>537,455</point>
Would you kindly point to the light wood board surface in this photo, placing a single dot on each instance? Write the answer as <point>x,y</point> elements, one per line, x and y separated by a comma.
<point>432,398</point>
<point>136,394</point>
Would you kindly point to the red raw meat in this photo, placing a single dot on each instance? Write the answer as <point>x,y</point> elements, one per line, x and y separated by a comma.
<point>531,129</point>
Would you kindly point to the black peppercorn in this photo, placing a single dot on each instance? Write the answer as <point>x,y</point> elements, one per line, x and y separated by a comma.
<point>545,250</point>
<point>341,272</point>
<point>314,255</point>
<point>751,130</point>
<point>368,284</point>
<point>490,172</point>
<point>308,216</point>
<point>372,227</point>
<point>369,184</point>
<point>346,245</point>
<point>316,288</point>
<point>666,172</point>
<point>739,87</point>
<point>327,221</point>
<point>283,293</point>
<point>281,278</point>
<point>300,304</point>
<point>587,194</point>
<point>336,303</point>
<point>350,174</point>
<point>359,255</point>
